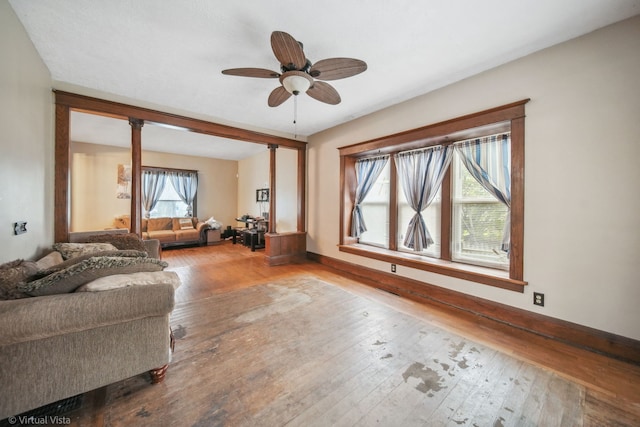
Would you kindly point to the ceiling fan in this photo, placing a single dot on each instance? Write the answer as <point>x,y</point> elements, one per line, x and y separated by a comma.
<point>298,75</point>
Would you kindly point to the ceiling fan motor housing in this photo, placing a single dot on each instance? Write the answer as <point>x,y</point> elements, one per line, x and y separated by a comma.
<point>292,67</point>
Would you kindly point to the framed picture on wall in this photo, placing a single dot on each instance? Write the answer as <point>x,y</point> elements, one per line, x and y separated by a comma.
<point>262,195</point>
<point>124,182</point>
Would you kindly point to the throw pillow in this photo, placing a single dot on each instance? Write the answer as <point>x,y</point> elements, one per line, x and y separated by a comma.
<point>122,221</point>
<point>135,279</point>
<point>72,250</point>
<point>49,260</point>
<point>13,274</point>
<point>76,275</point>
<point>72,261</point>
<point>185,224</point>
<point>121,241</point>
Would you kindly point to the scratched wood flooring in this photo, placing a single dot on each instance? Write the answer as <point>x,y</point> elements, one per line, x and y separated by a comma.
<point>305,345</point>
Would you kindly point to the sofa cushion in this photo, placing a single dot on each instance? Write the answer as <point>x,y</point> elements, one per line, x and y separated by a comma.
<point>72,250</point>
<point>13,274</point>
<point>163,235</point>
<point>120,241</point>
<point>142,278</point>
<point>187,235</point>
<point>156,224</point>
<point>76,275</point>
<point>183,224</point>
<point>30,319</point>
<point>82,236</point>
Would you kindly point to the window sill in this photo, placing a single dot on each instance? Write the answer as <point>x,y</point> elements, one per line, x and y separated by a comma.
<point>484,275</point>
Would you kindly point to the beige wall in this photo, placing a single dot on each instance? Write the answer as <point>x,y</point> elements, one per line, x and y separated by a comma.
<point>94,175</point>
<point>582,243</point>
<point>26,142</point>
<point>217,182</point>
<point>94,179</point>
<point>253,173</point>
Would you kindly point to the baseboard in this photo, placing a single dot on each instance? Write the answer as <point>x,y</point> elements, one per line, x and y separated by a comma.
<point>272,261</point>
<point>611,345</point>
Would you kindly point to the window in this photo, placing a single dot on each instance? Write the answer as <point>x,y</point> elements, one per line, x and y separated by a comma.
<point>169,192</point>
<point>478,221</point>
<point>473,226</point>
<point>169,204</point>
<point>375,210</point>
<point>431,216</point>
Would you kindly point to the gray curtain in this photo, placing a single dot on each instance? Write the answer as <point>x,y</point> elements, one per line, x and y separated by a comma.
<point>367,172</point>
<point>488,160</point>
<point>421,173</point>
<point>186,185</point>
<point>153,183</point>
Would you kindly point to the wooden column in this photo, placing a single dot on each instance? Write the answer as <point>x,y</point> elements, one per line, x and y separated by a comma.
<point>302,184</point>
<point>136,174</point>
<point>272,188</point>
<point>62,166</point>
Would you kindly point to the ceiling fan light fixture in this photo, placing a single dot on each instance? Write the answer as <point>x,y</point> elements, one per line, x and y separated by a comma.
<point>296,82</point>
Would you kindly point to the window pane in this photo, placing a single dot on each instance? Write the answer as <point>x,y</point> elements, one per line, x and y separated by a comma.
<point>169,208</point>
<point>169,204</point>
<point>478,221</point>
<point>375,210</point>
<point>431,217</point>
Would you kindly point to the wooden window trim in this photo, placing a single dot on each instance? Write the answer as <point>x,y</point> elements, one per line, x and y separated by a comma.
<point>495,120</point>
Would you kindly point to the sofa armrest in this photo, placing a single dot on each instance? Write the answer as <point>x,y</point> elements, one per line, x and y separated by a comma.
<point>35,318</point>
<point>153,248</point>
<point>202,228</point>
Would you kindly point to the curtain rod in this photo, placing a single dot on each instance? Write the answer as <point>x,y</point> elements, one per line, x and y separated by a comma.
<point>158,168</point>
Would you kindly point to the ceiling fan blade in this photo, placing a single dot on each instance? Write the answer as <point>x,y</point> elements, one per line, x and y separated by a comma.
<point>324,92</point>
<point>337,68</point>
<point>287,50</point>
<point>278,96</point>
<point>252,72</point>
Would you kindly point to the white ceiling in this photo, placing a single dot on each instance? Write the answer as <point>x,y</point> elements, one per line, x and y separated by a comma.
<point>171,54</point>
<point>108,131</point>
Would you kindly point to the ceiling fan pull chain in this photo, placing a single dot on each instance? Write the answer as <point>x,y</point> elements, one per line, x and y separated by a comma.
<point>295,117</point>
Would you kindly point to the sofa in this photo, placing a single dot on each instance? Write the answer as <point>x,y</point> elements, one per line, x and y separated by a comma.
<point>151,246</point>
<point>58,345</point>
<point>170,231</point>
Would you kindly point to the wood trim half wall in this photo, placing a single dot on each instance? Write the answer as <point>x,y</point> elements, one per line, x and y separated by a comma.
<point>285,248</point>
<point>608,344</point>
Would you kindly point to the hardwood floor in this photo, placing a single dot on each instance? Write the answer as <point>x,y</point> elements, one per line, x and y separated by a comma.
<point>305,345</point>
